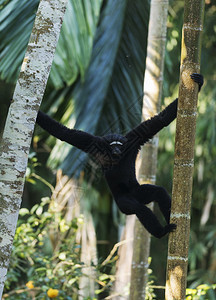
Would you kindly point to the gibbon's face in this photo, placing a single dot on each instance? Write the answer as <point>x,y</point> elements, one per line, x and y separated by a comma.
<point>116,144</point>
<point>112,150</point>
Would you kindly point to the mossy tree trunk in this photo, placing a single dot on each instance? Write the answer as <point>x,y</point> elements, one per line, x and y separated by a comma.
<point>184,151</point>
<point>20,121</point>
<point>147,161</point>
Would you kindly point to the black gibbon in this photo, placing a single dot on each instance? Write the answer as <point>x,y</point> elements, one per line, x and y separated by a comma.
<point>117,154</point>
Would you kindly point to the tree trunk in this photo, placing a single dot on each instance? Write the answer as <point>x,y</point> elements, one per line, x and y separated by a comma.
<point>184,151</point>
<point>148,156</point>
<point>87,283</point>
<point>123,269</point>
<point>20,121</point>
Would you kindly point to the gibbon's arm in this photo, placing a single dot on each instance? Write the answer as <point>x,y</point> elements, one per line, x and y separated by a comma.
<point>80,139</point>
<point>147,129</point>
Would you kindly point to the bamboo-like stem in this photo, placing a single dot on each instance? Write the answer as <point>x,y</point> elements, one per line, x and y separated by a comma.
<point>184,151</point>
<point>147,163</point>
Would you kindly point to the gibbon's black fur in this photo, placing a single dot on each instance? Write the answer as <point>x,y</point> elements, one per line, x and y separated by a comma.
<point>117,154</point>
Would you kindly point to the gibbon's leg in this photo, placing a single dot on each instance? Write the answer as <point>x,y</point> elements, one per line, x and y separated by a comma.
<point>147,193</point>
<point>151,223</point>
<point>128,205</point>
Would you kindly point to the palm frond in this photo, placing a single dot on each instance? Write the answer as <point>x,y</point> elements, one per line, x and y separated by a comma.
<point>109,98</point>
<point>16,21</point>
<point>74,47</point>
<point>75,43</point>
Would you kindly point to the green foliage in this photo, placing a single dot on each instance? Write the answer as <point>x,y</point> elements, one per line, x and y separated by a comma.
<point>202,292</point>
<point>150,295</point>
<point>45,253</point>
<point>32,164</point>
<point>74,46</point>
<point>31,175</point>
<point>45,256</point>
<point>75,42</point>
<point>16,24</point>
<point>113,81</point>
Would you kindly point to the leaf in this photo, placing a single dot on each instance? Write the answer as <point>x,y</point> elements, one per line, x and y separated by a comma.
<point>74,47</point>
<point>16,21</point>
<point>23,212</point>
<point>109,100</point>
<point>75,43</point>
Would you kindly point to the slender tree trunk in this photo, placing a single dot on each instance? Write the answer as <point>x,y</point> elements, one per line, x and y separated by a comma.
<point>125,253</point>
<point>184,151</point>
<point>20,121</point>
<point>87,283</point>
<point>148,156</point>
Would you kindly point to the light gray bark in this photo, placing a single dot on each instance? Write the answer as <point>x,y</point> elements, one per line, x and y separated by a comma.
<point>123,268</point>
<point>148,156</point>
<point>20,121</point>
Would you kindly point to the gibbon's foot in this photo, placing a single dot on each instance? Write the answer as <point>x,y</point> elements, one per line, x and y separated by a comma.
<point>198,78</point>
<point>166,229</point>
<point>171,227</point>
